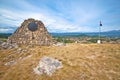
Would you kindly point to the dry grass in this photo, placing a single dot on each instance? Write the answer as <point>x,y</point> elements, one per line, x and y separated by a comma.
<point>80,62</point>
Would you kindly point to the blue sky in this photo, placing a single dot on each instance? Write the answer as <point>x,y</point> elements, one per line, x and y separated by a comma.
<point>61,15</point>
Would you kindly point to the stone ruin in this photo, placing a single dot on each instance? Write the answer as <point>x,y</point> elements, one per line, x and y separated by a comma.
<point>32,32</point>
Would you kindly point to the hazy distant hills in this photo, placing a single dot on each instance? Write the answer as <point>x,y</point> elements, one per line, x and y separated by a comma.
<point>113,33</point>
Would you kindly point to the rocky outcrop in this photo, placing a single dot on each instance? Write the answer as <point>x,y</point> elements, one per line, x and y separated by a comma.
<point>6,45</point>
<point>47,66</point>
<point>31,32</point>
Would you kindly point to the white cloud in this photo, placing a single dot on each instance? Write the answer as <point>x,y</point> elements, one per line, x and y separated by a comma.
<point>52,22</point>
<point>61,17</point>
<point>3,30</point>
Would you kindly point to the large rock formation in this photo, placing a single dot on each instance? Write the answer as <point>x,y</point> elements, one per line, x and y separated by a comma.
<point>31,32</point>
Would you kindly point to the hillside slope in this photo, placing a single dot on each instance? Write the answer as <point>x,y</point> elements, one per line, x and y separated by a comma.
<point>80,62</point>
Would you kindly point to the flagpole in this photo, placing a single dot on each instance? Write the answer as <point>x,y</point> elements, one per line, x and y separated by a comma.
<point>99,40</point>
<point>99,32</point>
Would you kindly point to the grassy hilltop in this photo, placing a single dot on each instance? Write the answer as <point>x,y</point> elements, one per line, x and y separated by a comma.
<point>80,62</point>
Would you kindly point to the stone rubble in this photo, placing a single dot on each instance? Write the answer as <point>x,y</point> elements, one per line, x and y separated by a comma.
<point>21,50</point>
<point>6,45</point>
<point>47,66</point>
<point>59,44</point>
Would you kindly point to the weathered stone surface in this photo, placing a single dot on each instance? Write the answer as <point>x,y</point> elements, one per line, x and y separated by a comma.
<point>6,45</point>
<point>10,63</point>
<point>59,44</point>
<point>31,32</point>
<point>47,66</point>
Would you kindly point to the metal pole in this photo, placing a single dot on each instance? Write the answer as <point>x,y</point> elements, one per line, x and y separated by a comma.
<point>99,31</point>
<point>99,40</point>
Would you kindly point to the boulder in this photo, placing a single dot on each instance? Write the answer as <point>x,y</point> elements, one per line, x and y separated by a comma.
<point>47,66</point>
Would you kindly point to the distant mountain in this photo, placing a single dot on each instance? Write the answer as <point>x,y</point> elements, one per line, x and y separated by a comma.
<point>113,33</point>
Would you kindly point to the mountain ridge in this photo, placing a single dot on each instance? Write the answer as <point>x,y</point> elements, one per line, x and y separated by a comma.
<point>111,33</point>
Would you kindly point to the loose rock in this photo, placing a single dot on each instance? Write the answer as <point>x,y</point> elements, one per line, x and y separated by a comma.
<point>47,66</point>
<point>59,44</point>
<point>6,45</point>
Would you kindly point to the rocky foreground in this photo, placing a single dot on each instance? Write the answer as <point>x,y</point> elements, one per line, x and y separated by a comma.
<point>77,62</point>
